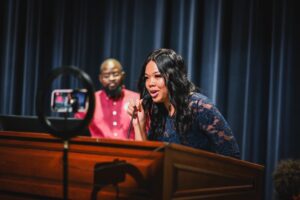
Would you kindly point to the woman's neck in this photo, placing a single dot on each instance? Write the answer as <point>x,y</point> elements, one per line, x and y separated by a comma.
<point>170,108</point>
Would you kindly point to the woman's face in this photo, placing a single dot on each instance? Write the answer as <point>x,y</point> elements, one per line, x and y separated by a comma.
<point>155,84</point>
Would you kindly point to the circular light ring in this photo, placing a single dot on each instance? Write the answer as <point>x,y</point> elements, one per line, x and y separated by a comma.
<point>41,97</point>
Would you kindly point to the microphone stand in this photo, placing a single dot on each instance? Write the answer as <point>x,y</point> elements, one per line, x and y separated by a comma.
<point>131,121</point>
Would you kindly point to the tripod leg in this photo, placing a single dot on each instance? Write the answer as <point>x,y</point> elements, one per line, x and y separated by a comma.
<point>65,169</point>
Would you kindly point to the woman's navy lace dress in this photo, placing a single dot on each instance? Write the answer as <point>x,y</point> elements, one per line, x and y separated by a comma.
<point>210,131</point>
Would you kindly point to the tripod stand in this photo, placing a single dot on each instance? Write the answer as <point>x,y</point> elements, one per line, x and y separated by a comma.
<point>65,169</point>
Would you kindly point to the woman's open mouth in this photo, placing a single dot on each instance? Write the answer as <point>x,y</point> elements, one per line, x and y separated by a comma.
<point>154,93</point>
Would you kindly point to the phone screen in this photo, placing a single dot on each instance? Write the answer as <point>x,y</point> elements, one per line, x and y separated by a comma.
<point>69,100</point>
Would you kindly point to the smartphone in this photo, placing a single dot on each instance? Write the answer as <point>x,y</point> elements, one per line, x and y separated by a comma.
<point>69,100</point>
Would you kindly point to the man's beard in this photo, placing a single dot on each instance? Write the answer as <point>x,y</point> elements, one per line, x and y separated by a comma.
<point>114,93</point>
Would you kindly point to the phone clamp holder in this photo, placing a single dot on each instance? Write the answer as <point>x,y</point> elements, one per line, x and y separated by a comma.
<point>69,132</point>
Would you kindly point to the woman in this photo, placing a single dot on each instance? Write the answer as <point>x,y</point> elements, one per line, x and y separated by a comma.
<point>176,111</point>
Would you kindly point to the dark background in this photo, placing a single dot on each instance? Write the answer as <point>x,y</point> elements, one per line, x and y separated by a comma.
<point>243,54</point>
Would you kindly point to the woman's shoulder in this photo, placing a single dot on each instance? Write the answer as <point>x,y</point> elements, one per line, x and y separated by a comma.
<point>199,98</point>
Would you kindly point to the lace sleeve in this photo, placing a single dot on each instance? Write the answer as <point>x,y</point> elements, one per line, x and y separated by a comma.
<point>213,124</point>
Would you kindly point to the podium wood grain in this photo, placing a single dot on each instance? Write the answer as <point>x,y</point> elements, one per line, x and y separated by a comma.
<point>31,168</point>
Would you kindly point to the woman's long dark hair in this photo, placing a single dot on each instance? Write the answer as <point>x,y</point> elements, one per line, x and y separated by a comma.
<point>172,68</point>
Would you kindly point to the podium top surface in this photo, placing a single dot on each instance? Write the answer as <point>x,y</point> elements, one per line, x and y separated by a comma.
<point>154,146</point>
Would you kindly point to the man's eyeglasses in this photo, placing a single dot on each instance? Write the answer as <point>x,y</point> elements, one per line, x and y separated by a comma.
<point>114,74</point>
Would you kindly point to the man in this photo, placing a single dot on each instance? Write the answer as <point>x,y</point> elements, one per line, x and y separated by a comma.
<point>110,118</point>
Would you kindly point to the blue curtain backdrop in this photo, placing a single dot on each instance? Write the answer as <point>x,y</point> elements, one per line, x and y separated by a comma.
<point>243,54</point>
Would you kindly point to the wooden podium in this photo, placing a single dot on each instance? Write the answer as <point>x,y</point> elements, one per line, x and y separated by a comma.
<point>31,168</point>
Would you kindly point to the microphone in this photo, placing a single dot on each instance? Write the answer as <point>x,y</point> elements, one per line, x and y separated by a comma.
<point>131,121</point>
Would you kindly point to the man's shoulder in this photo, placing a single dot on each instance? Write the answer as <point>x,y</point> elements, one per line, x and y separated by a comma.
<point>99,93</point>
<point>131,93</point>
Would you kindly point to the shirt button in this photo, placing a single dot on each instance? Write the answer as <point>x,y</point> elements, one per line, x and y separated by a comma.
<point>114,112</point>
<point>114,103</point>
<point>115,123</point>
<point>115,134</point>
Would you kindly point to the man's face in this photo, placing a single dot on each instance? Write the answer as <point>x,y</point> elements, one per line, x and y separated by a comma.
<point>111,76</point>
